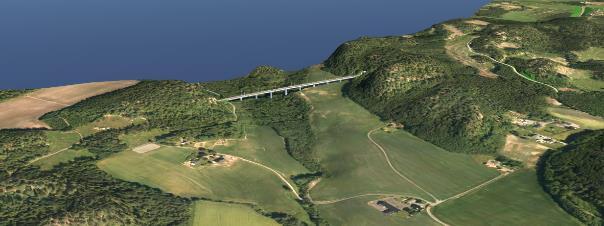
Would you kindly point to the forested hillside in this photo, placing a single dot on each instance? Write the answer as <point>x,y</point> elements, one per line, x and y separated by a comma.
<point>411,80</point>
<point>77,192</point>
<point>574,176</point>
<point>164,104</point>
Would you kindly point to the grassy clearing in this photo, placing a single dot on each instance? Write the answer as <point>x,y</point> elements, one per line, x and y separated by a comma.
<point>593,53</point>
<point>576,11</point>
<point>241,182</point>
<point>541,10</point>
<point>263,145</point>
<point>586,121</point>
<point>583,80</point>
<point>139,138</point>
<point>109,121</point>
<point>515,200</point>
<point>351,163</point>
<point>61,157</point>
<point>357,212</point>
<point>226,214</point>
<point>442,173</point>
<point>527,151</point>
<point>58,140</point>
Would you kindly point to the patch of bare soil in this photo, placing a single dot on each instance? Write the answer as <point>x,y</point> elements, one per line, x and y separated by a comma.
<point>145,148</point>
<point>506,6</point>
<point>552,101</point>
<point>477,22</point>
<point>24,111</point>
<point>524,150</point>
<point>567,89</point>
<point>453,31</point>
<point>508,45</point>
<point>565,70</point>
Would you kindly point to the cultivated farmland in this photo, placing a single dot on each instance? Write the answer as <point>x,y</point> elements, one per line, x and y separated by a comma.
<point>227,214</point>
<point>24,111</point>
<point>242,182</point>
<point>515,200</point>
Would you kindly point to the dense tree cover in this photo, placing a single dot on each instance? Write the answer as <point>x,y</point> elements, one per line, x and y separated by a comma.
<point>18,147</point>
<point>574,176</point>
<point>261,78</point>
<point>411,80</point>
<point>76,192</point>
<point>590,102</point>
<point>540,69</point>
<point>165,104</point>
<point>559,36</point>
<point>289,116</point>
<point>7,94</point>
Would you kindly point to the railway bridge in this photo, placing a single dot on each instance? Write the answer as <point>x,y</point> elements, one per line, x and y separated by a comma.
<point>286,89</point>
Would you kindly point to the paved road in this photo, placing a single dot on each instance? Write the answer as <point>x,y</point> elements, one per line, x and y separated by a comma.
<point>513,68</point>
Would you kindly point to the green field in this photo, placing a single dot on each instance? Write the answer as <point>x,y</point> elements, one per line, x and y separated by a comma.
<point>514,200</point>
<point>442,173</point>
<point>58,140</point>
<point>592,53</point>
<point>108,121</point>
<point>576,11</point>
<point>140,137</point>
<point>241,182</point>
<point>263,145</point>
<point>357,212</point>
<point>61,157</point>
<point>586,121</point>
<point>226,214</point>
<point>541,10</point>
<point>351,163</point>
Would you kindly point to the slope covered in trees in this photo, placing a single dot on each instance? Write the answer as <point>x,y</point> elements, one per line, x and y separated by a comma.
<point>77,192</point>
<point>574,176</point>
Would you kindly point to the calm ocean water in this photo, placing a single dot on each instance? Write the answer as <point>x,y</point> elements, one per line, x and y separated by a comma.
<point>55,42</point>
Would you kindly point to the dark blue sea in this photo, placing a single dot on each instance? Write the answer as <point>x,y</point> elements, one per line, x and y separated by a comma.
<point>54,42</point>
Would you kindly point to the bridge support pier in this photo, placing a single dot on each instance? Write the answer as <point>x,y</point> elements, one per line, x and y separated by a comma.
<point>300,88</point>
<point>240,98</point>
<point>256,96</point>
<point>285,92</point>
<point>271,94</point>
<point>313,85</point>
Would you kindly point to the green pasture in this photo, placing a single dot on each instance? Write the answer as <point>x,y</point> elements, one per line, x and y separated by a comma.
<point>112,121</point>
<point>242,182</point>
<point>61,157</point>
<point>586,121</point>
<point>357,212</point>
<point>517,199</point>
<point>442,173</point>
<point>352,164</point>
<point>265,146</point>
<point>58,140</point>
<point>227,214</point>
<point>139,138</point>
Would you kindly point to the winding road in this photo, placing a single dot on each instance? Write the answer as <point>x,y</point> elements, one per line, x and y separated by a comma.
<point>510,66</point>
<point>431,204</point>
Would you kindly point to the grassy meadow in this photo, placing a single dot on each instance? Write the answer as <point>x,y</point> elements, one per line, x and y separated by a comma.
<point>586,121</point>
<point>352,164</point>
<point>517,199</point>
<point>442,173</point>
<point>263,145</point>
<point>340,214</point>
<point>227,214</point>
<point>240,182</point>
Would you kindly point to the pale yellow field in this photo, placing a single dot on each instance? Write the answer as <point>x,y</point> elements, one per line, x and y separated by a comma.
<point>24,111</point>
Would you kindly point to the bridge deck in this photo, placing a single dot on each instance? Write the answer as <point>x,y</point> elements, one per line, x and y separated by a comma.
<point>292,87</point>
